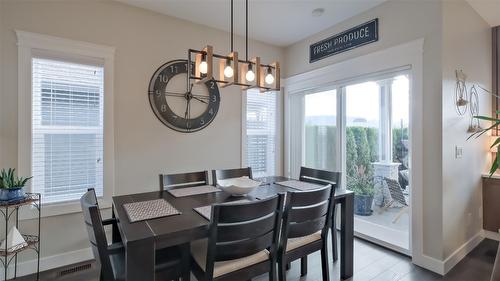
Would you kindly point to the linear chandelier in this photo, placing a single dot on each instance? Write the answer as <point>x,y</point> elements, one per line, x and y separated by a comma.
<point>232,70</point>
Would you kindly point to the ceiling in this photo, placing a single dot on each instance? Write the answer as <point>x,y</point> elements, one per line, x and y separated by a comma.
<point>277,22</point>
<point>488,9</point>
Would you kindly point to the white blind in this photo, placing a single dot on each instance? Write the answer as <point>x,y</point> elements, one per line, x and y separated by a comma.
<point>261,111</point>
<point>67,129</point>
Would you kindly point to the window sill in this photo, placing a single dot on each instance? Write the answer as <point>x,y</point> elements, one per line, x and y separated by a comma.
<point>58,209</point>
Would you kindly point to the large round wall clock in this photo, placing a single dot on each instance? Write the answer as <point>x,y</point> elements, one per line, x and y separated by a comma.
<point>181,106</point>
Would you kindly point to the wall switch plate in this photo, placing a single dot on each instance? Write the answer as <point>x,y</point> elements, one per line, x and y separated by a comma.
<point>459,152</point>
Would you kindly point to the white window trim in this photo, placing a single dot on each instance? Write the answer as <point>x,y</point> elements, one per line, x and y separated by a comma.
<point>32,43</point>
<point>278,156</point>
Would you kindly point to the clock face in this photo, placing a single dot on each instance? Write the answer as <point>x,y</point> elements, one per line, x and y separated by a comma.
<point>181,107</point>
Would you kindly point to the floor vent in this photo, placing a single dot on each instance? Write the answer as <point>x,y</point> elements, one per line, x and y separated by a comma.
<point>75,269</point>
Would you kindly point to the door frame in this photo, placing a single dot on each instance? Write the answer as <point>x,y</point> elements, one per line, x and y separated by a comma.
<point>404,56</point>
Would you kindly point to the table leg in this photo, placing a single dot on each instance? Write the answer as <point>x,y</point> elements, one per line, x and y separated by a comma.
<point>140,260</point>
<point>347,237</point>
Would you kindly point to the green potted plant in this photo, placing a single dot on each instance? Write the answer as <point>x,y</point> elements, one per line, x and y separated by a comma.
<point>11,186</point>
<point>363,187</point>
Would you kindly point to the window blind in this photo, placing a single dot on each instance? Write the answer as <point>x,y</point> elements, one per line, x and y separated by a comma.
<point>261,111</point>
<point>67,129</point>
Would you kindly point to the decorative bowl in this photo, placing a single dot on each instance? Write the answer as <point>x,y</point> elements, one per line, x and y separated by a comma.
<point>238,186</point>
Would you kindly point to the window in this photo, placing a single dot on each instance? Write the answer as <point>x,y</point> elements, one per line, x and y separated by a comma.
<point>67,129</point>
<point>65,120</point>
<point>260,132</point>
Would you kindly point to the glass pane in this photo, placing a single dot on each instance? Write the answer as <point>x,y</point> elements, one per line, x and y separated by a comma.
<point>377,167</point>
<point>261,132</point>
<point>321,130</point>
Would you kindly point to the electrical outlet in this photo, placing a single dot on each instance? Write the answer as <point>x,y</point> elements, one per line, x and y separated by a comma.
<point>459,152</point>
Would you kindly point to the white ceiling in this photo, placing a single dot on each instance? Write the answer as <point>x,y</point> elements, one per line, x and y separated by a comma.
<point>277,22</point>
<point>488,9</point>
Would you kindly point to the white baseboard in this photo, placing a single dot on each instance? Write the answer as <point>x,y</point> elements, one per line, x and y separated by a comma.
<point>50,262</point>
<point>429,263</point>
<point>491,235</point>
<point>461,252</point>
<point>442,267</point>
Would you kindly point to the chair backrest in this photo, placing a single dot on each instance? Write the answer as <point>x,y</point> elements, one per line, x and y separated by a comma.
<point>320,176</point>
<point>241,229</point>
<point>231,173</point>
<point>96,233</point>
<point>307,212</point>
<point>174,181</point>
<point>395,191</point>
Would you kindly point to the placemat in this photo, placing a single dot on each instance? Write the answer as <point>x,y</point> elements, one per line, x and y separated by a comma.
<point>189,191</point>
<point>206,211</point>
<point>145,210</point>
<point>300,185</point>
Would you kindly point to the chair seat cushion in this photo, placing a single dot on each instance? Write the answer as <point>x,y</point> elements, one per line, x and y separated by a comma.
<point>199,253</point>
<point>294,243</point>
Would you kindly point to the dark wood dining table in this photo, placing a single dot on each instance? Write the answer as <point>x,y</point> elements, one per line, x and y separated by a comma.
<point>141,239</point>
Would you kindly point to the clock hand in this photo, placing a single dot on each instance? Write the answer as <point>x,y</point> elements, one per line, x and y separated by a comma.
<point>175,94</point>
<point>201,96</point>
<point>198,99</point>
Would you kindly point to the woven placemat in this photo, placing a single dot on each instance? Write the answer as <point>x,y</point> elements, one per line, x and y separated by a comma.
<point>189,191</point>
<point>300,185</point>
<point>206,211</point>
<point>152,209</point>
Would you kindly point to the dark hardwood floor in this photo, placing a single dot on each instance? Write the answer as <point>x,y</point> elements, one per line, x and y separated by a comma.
<point>371,263</point>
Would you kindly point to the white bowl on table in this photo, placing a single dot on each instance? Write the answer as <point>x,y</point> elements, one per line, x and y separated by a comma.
<point>238,186</point>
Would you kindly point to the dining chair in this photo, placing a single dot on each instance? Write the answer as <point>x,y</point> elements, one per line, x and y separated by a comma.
<point>242,242</point>
<point>111,258</point>
<point>306,221</point>
<point>231,173</point>
<point>182,180</point>
<point>322,177</point>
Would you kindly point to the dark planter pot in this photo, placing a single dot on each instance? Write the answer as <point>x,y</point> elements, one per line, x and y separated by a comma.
<point>11,194</point>
<point>363,205</point>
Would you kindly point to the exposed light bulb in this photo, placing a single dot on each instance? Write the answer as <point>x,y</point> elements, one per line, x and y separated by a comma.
<point>269,77</point>
<point>203,67</point>
<point>250,76</point>
<point>228,71</point>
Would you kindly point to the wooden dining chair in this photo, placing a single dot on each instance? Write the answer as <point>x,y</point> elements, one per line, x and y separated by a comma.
<point>111,258</point>
<point>306,221</point>
<point>231,173</point>
<point>182,180</point>
<point>322,177</point>
<point>242,242</point>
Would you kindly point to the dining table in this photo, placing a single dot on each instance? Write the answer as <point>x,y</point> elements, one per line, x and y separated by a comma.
<point>141,239</point>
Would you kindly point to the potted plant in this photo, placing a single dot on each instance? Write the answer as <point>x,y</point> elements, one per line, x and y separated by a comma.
<point>11,186</point>
<point>362,186</point>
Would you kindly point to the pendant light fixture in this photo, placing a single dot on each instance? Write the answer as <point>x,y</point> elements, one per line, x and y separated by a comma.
<point>248,73</point>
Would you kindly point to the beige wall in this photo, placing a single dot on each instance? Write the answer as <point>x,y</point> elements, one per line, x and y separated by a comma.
<point>144,147</point>
<point>401,22</point>
<point>467,46</point>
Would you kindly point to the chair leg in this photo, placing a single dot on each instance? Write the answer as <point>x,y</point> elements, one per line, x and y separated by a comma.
<point>400,213</point>
<point>272,271</point>
<point>303,266</point>
<point>324,263</point>
<point>282,270</point>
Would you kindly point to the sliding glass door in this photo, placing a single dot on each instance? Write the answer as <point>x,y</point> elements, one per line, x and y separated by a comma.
<point>376,164</point>
<point>362,129</point>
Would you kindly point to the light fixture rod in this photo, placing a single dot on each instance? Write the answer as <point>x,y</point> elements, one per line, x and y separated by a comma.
<point>232,32</point>
<point>246,30</point>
